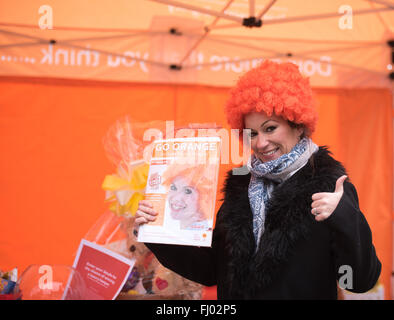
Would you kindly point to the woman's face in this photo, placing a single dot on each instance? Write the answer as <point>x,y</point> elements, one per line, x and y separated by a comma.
<point>271,137</point>
<point>182,199</point>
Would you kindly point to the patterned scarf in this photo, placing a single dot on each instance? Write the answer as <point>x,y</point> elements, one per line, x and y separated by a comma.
<point>266,175</point>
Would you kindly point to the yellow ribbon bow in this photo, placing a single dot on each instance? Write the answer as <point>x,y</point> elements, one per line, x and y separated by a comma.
<point>126,188</point>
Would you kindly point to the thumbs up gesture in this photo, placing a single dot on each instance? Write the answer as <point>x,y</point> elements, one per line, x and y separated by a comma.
<point>324,203</point>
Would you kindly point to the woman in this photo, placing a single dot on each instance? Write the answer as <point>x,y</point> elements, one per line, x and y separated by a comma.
<point>189,196</point>
<point>183,204</point>
<point>289,228</point>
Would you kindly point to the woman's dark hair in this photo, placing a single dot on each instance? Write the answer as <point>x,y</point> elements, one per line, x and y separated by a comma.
<point>299,126</point>
<point>303,135</point>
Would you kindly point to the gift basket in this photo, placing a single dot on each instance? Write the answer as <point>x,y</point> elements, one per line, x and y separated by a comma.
<point>128,146</point>
<point>8,284</point>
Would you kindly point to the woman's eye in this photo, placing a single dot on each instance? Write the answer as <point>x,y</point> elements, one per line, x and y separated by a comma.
<point>270,128</point>
<point>252,134</point>
<point>188,190</point>
<point>173,187</point>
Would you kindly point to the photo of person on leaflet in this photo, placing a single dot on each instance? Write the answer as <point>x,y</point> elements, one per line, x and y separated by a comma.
<point>188,197</point>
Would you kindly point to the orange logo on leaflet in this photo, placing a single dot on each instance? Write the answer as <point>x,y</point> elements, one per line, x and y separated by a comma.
<point>155,180</point>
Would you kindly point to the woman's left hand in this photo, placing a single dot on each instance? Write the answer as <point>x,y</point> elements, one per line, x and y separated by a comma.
<point>324,203</point>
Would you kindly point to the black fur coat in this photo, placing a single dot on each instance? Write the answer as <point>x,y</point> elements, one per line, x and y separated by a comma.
<point>297,257</point>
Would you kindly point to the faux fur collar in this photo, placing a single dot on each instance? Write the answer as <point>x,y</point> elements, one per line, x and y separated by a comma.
<point>288,220</point>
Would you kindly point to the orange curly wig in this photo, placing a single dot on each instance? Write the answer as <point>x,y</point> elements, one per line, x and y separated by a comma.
<point>273,88</point>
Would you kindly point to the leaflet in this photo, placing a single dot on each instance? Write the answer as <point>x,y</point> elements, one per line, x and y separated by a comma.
<point>182,184</point>
<point>103,271</point>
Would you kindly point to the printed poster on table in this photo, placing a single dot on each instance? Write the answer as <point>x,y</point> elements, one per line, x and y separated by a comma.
<point>181,186</point>
<point>104,271</point>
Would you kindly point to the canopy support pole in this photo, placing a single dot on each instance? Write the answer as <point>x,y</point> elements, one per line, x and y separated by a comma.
<point>324,15</point>
<point>207,30</point>
<point>265,9</point>
<point>251,8</point>
<point>311,17</point>
<point>386,3</point>
<point>39,40</point>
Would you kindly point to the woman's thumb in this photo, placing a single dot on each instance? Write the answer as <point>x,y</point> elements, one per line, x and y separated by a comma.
<point>339,183</point>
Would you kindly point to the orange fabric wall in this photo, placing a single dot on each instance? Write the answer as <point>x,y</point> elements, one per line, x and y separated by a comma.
<point>52,160</point>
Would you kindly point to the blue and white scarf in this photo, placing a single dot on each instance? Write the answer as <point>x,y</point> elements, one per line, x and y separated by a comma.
<point>266,175</point>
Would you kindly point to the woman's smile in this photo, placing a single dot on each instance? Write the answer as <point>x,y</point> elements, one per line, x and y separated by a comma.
<point>177,206</point>
<point>266,156</point>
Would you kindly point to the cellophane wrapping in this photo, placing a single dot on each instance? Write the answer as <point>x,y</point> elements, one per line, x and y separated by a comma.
<point>127,145</point>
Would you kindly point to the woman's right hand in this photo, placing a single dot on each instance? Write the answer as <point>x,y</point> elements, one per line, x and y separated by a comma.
<point>144,213</point>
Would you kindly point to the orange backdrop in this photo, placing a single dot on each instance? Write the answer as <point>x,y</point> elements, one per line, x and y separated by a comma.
<point>53,163</point>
